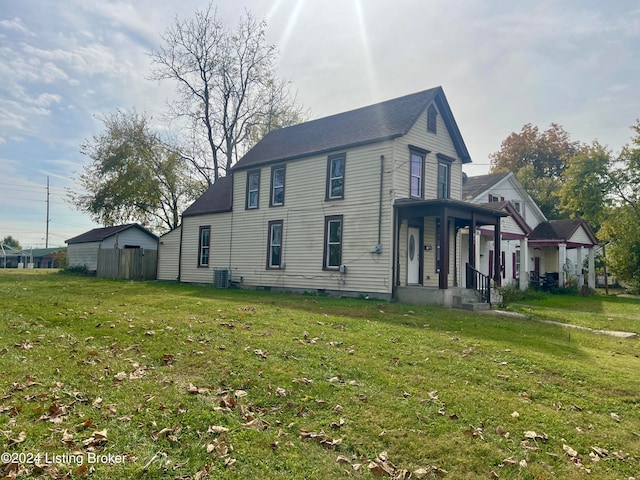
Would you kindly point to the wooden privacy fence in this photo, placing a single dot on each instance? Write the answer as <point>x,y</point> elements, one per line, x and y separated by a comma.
<point>128,263</point>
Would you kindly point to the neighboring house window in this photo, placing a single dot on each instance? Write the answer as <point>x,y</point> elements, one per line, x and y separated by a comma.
<point>417,172</point>
<point>335,177</point>
<point>444,177</point>
<point>432,115</point>
<point>493,198</point>
<point>277,186</point>
<point>203,246</point>
<point>332,242</point>
<point>274,251</point>
<point>253,189</point>
<point>519,207</point>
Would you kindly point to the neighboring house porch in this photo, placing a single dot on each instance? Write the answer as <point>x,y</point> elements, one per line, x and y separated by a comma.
<point>558,249</point>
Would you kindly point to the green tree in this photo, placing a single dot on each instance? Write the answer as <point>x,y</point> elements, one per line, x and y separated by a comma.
<point>539,160</point>
<point>586,185</point>
<point>133,176</point>
<point>227,87</point>
<point>11,242</point>
<point>622,227</point>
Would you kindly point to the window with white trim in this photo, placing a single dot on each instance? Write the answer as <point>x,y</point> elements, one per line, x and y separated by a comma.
<point>253,189</point>
<point>277,186</point>
<point>274,249</point>
<point>335,177</point>
<point>444,178</point>
<point>204,239</point>
<point>332,242</point>
<point>417,174</point>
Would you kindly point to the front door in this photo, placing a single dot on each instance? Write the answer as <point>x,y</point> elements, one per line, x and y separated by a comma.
<point>413,256</point>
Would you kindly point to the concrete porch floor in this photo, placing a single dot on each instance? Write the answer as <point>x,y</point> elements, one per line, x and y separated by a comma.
<point>454,297</point>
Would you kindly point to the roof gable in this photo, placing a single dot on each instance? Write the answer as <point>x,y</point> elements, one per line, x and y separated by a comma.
<point>476,189</point>
<point>562,230</point>
<point>374,123</point>
<point>476,186</point>
<point>100,234</point>
<point>508,207</point>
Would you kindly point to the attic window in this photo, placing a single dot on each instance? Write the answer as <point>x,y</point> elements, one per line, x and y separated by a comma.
<point>493,198</point>
<point>432,113</point>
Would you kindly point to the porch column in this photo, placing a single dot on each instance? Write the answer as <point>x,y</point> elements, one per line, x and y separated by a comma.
<point>476,253</point>
<point>579,267</point>
<point>443,280</point>
<point>592,268</point>
<point>497,271</point>
<point>524,263</point>
<point>472,242</point>
<point>562,260</point>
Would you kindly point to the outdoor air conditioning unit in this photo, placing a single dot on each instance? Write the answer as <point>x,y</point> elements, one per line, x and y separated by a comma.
<point>221,277</point>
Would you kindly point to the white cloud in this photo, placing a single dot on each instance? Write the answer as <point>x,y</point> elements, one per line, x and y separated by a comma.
<point>17,25</point>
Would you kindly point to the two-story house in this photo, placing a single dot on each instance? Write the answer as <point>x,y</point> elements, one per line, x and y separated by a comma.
<point>365,202</point>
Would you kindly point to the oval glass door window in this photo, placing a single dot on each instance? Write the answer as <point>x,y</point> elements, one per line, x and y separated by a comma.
<point>412,247</point>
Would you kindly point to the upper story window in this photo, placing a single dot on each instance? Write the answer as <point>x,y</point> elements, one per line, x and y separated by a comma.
<point>277,186</point>
<point>432,115</point>
<point>444,176</point>
<point>203,246</point>
<point>335,176</point>
<point>253,189</point>
<point>416,172</point>
<point>518,206</point>
<point>493,198</point>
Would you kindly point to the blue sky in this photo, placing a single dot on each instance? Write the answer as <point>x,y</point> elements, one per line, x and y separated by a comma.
<point>502,64</point>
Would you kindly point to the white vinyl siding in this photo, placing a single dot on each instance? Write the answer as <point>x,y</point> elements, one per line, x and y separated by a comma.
<point>168,255</point>
<point>440,143</point>
<point>304,215</point>
<point>219,244</point>
<point>580,236</point>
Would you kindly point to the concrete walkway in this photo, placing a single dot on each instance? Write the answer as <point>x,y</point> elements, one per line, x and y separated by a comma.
<point>611,333</point>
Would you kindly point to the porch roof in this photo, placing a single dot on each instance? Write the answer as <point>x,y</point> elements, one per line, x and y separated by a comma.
<point>483,215</point>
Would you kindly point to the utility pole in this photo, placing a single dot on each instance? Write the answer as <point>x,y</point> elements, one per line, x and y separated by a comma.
<point>46,236</point>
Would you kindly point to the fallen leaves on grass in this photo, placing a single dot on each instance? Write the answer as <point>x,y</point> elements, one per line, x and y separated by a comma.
<point>96,440</point>
<point>195,390</point>
<point>530,434</point>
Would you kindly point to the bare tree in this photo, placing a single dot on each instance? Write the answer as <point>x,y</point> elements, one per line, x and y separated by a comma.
<point>226,86</point>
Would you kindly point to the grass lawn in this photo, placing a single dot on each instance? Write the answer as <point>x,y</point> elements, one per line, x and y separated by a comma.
<point>165,381</point>
<point>599,312</point>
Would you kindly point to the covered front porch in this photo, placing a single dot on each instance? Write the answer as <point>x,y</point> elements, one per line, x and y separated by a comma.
<point>432,265</point>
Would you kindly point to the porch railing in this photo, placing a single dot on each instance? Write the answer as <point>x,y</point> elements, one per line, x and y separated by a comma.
<point>480,282</point>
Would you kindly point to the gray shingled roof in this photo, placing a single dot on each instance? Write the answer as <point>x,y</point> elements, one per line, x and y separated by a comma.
<point>474,186</point>
<point>217,199</point>
<point>561,229</point>
<point>99,234</point>
<point>382,121</point>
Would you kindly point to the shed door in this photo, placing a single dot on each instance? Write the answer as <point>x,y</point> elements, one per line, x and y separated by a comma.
<point>413,256</point>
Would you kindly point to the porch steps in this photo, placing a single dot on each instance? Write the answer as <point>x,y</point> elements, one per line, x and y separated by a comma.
<point>470,300</point>
<point>474,307</point>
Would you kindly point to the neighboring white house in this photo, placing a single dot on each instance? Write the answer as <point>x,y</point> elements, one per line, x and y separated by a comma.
<point>83,249</point>
<point>366,202</point>
<point>532,248</point>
